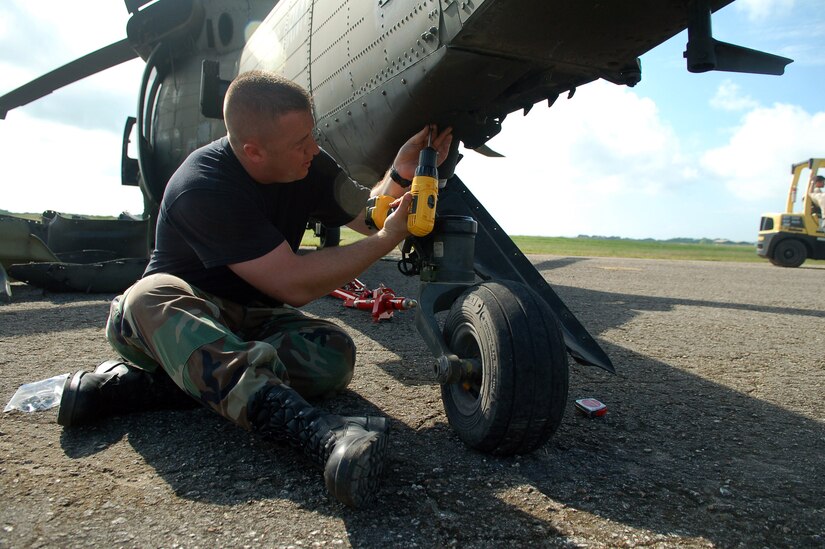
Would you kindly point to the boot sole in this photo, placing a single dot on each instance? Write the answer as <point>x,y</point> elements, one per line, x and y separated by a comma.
<point>353,474</point>
<point>65,413</point>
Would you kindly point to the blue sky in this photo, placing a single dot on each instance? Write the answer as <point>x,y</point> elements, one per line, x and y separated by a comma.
<point>679,155</point>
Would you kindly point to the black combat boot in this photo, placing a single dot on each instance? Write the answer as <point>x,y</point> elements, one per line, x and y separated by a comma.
<point>351,451</point>
<point>116,388</point>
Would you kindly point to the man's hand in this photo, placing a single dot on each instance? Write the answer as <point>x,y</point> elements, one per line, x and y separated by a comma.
<point>396,224</point>
<point>407,158</point>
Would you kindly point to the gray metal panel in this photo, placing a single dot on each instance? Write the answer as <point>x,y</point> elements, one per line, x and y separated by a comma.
<point>445,88</point>
<point>355,52</point>
<point>343,135</point>
<point>281,43</point>
<point>335,26</point>
<point>580,33</point>
<point>244,18</point>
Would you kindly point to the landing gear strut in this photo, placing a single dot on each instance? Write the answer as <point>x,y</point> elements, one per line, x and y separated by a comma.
<point>500,354</point>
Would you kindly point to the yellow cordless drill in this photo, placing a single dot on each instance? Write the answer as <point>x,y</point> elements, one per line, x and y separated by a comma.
<point>424,190</point>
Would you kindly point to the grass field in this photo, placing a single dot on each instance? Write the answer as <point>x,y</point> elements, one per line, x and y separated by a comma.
<point>653,249</point>
<point>609,247</point>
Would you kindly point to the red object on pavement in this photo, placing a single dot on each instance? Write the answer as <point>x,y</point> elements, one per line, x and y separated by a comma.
<point>591,407</point>
<point>381,302</point>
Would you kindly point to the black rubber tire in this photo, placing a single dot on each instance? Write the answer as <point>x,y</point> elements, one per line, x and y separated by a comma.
<point>789,253</point>
<point>329,237</point>
<point>520,399</point>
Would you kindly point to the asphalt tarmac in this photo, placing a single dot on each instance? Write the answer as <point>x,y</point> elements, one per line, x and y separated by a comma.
<point>714,435</point>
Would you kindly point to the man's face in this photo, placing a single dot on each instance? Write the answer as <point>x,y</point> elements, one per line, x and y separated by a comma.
<point>291,147</point>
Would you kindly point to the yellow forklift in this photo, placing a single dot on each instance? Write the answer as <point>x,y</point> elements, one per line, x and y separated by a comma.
<point>787,239</point>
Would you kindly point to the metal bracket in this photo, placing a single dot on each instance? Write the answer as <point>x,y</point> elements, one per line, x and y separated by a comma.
<point>433,298</point>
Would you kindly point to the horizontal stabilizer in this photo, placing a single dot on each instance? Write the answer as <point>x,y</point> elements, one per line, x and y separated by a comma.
<point>721,56</point>
<point>705,53</point>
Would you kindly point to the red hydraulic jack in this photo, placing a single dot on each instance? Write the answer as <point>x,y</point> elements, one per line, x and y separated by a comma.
<point>382,302</point>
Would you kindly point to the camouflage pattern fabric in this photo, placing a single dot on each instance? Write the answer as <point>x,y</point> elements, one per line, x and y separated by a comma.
<point>222,353</point>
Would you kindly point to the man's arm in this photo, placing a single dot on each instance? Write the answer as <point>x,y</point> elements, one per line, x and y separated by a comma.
<point>359,224</point>
<point>387,187</point>
<point>298,279</point>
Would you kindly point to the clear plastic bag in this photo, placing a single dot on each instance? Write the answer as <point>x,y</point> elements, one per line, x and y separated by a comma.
<point>38,396</point>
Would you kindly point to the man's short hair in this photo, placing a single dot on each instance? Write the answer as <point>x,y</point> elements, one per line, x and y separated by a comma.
<point>255,99</point>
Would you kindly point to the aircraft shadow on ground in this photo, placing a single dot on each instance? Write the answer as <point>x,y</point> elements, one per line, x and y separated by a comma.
<point>61,318</point>
<point>676,447</point>
<point>63,313</point>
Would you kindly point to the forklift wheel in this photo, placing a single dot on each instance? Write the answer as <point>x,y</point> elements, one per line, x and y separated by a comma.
<point>789,253</point>
<point>518,401</point>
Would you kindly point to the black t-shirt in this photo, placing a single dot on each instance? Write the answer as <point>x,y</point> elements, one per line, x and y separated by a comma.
<point>214,214</point>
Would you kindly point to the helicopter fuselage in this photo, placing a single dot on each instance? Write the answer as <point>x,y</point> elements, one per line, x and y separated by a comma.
<point>380,71</point>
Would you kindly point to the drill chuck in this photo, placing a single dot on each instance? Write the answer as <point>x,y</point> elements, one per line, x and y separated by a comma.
<point>427,160</point>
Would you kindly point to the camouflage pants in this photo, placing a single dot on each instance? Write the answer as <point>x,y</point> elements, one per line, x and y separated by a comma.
<point>222,353</point>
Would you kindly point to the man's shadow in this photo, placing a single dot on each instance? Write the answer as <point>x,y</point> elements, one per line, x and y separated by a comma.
<point>205,458</point>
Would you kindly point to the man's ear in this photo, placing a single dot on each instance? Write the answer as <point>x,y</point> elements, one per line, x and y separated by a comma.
<point>253,152</point>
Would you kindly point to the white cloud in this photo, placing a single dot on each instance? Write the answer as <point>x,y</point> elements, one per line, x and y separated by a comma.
<point>601,150</point>
<point>62,152</point>
<point>729,98</point>
<point>606,163</point>
<point>49,23</point>
<point>762,9</point>
<point>755,163</point>
<point>60,167</point>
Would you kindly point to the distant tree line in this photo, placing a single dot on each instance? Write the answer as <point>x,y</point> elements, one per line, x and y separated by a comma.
<point>724,241</point>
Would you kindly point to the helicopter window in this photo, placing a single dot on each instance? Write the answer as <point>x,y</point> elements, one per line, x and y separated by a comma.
<point>225,29</point>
